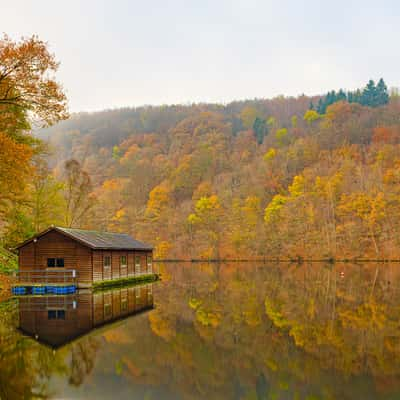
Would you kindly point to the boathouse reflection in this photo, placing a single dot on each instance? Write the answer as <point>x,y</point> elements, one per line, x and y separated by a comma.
<point>57,320</point>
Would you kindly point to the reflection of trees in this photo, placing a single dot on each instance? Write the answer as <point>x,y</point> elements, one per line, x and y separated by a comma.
<point>238,331</point>
<point>274,332</point>
<point>82,360</point>
<point>26,366</point>
<point>21,364</point>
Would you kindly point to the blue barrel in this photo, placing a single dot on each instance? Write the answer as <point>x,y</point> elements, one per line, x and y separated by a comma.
<point>38,290</point>
<point>19,290</point>
<point>50,289</point>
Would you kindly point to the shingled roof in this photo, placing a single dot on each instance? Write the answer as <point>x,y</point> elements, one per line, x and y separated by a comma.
<point>97,240</point>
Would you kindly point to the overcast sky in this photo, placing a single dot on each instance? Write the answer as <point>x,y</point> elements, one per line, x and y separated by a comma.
<point>128,52</point>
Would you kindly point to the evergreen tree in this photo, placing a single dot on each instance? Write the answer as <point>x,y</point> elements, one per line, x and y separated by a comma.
<point>350,97</point>
<point>382,93</point>
<point>369,94</point>
<point>341,96</point>
<point>311,106</point>
<point>260,129</point>
<point>320,107</point>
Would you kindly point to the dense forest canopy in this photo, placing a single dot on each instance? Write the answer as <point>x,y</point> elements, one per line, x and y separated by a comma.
<point>255,178</point>
<point>284,177</point>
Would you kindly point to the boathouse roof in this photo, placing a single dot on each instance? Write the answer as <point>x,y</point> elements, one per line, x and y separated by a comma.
<point>96,239</point>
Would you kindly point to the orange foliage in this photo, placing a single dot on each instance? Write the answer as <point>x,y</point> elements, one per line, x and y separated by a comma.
<point>14,166</point>
<point>386,134</point>
<point>26,82</point>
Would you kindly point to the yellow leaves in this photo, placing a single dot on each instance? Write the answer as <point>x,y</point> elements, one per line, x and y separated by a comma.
<point>158,201</point>
<point>207,318</point>
<point>270,154</point>
<point>193,219</point>
<point>310,116</point>
<point>272,122</point>
<point>119,215</point>
<point>297,188</point>
<point>329,187</point>
<point>280,134</point>
<point>195,303</point>
<point>273,208</point>
<point>311,309</point>
<point>274,314</point>
<point>392,176</point>
<point>367,316</point>
<point>370,209</point>
<point>271,364</point>
<point>251,207</point>
<point>203,190</point>
<point>162,249</point>
<point>206,211</point>
<point>161,326</point>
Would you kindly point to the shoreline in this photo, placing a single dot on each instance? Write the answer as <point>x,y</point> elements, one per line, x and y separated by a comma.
<point>283,260</point>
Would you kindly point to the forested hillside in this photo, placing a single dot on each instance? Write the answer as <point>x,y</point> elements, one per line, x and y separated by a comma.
<point>306,177</point>
<point>287,177</point>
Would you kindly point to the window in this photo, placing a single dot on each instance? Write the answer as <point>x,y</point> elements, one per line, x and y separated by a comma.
<point>137,264</point>
<point>124,304</point>
<point>56,314</point>
<point>149,263</point>
<point>123,262</point>
<point>55,262</point>
<point>107,261</point>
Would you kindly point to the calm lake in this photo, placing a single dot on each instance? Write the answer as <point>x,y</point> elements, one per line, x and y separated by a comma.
<point>212,331</point>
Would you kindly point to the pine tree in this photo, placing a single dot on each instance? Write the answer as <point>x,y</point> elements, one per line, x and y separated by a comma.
<point>382,93</point>
<point>369,94</point>
<point>320,107</point>
<point>341,96</point>
<point>260,129</point>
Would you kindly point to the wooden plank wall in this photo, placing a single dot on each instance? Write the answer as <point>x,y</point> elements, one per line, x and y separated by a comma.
<point>34,256</point>
<point>116,271</point>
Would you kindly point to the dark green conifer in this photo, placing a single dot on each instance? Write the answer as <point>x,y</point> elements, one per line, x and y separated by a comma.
<point>260,129</point>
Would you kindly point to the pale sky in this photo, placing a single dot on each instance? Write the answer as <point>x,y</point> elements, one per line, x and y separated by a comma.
<point>129,53</point>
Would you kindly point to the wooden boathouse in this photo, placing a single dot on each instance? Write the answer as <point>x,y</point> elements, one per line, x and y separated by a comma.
<point>70,258</point>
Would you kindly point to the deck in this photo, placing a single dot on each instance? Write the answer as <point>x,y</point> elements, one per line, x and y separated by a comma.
<point>46,282</point>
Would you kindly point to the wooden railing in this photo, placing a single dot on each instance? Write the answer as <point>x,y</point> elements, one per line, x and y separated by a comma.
<point>47,276</point>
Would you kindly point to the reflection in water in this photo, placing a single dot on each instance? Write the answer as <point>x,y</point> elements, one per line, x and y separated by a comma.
<point>217,331</point>
<point>57,320</point>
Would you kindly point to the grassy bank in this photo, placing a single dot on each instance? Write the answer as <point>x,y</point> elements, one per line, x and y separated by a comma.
<point>126,281</point>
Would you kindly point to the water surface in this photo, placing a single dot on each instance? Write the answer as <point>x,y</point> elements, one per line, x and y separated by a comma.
<point>215,331</point>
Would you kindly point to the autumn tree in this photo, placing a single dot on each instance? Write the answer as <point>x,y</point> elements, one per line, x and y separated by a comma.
<point>77,192</point>
<point>27,85</point>
<point>206,219</point>
<point>29,95</point>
